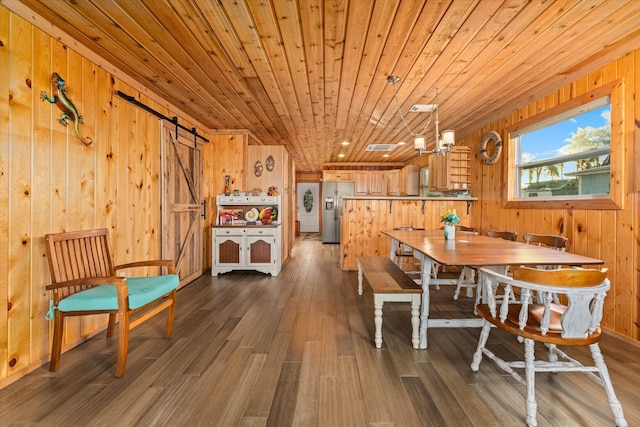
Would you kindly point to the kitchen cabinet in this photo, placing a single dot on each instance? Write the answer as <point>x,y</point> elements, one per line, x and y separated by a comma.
<point>410,180</point>
<point>403,182</point>
<point>369,183</point>
<point>377,183</point>
<point>245,243</point>
<point>337,176</point>
<point>451,172</point>
<point>393,182</point>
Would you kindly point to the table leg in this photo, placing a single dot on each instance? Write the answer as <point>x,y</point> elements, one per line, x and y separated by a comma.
<point>394,247</point>
<point>425,273</point>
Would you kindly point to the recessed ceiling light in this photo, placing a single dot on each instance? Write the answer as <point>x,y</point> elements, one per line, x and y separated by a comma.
<point>345,142</point>
<point>401,143</point>
<point>341,155</point>
<point>385,155</point>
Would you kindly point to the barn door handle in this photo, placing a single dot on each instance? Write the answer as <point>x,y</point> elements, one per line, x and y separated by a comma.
<point>204,209</point>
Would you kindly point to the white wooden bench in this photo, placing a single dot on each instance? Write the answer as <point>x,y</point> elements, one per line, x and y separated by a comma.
<point>389,284</point>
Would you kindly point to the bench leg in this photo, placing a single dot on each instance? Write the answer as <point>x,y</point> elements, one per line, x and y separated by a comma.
<point>360,274</point>
<point>378,301</point>
<point>415,320</point>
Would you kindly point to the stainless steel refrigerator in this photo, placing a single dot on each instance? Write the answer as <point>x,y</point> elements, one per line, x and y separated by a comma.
<point>332,194</point>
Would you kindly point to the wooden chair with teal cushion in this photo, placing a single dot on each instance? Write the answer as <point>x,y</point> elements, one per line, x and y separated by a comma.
<point>84,281</point>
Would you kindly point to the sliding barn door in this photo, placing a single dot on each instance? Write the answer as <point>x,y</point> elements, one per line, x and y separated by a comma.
<point>181,209</point>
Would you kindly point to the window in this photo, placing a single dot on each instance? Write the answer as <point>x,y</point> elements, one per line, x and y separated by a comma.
<point>565,156</point>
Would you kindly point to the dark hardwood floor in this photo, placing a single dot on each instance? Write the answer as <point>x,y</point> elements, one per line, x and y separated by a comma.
<point>297,349</point>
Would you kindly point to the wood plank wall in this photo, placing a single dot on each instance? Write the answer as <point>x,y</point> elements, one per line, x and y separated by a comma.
<point>364,219</point>
<point>225,155</point>
<point>280,177</point>
<point>49,182</point>
<point>610,235</point>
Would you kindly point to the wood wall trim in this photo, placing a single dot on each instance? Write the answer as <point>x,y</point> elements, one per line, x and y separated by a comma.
<point>562,204</point>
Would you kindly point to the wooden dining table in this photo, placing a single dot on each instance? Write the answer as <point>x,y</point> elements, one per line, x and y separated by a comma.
<point>470,250</point>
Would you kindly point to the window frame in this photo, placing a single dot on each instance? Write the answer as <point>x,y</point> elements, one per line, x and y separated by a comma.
<point>615,199</point>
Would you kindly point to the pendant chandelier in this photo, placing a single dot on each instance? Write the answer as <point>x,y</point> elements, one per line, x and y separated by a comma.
<point>443,143</point>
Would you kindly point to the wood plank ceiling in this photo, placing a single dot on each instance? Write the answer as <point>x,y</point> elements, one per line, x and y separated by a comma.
<point>310,74</point>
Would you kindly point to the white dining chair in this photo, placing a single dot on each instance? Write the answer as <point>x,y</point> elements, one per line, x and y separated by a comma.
<point>576,323</point>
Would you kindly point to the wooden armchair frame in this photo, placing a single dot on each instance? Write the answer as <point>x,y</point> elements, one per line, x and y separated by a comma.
<point>575,324</point>
<point>82,265</point>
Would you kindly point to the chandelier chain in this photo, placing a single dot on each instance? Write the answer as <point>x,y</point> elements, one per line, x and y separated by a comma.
<point>404,121</point>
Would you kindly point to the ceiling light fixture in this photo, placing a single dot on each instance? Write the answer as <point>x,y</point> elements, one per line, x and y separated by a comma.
<point>444,142</point>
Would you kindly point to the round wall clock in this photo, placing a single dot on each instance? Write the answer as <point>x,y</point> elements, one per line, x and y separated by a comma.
<point>497,149</point>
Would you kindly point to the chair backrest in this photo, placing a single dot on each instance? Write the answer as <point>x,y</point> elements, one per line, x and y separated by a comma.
<point>504,235</point>
<point>409,228</point>
<point>463,228</point>
<point>585,291</point>
<point>79,255</point>
<point>549,240</point>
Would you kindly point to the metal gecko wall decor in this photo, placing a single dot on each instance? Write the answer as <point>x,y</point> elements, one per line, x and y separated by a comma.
<point>69,111</point>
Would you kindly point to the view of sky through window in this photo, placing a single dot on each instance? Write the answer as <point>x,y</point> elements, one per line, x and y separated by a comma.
<point>566,155</point>
<point>547,142</point>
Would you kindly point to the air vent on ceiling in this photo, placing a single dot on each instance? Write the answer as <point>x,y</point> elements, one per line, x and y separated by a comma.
<point>423,108</point>
<point>380,147</point>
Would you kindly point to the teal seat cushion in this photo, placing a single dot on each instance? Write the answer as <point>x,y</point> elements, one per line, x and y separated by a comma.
<point>142,290</point>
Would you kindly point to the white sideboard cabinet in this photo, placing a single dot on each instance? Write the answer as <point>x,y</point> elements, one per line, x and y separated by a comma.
<point>245,245</point>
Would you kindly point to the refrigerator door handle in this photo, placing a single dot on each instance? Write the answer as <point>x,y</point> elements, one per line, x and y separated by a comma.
<point>337,207</point>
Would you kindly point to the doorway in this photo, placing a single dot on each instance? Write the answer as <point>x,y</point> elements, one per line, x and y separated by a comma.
<point>308,206</point>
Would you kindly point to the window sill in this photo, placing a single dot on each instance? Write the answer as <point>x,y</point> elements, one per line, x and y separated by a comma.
<point>586,204</point>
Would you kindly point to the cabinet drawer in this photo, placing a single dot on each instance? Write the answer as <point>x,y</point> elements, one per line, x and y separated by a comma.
<point>229,231</point>
<point>261,231</point>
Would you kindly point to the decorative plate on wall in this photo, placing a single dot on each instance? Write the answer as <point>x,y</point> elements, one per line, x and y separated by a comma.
<point>308,200</point>
<point>257,168</point>
<point>271,162</point>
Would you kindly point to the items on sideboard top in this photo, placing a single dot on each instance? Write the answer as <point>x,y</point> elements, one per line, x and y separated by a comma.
<point>244,208</point>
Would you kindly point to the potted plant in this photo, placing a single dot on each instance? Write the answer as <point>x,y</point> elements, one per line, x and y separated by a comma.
<point>450,219</point>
